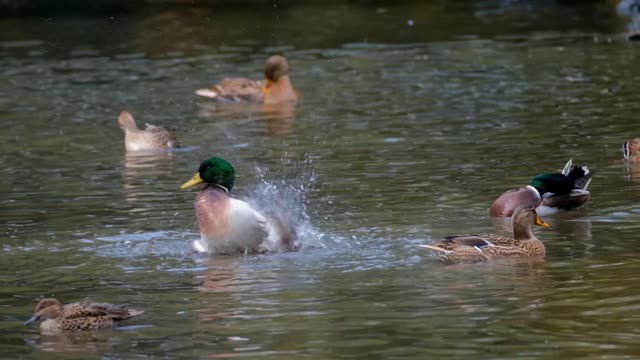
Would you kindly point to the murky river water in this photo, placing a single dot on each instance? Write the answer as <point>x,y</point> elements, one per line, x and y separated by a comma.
<point>415,117</point>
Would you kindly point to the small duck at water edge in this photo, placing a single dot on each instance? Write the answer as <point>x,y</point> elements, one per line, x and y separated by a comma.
<point>484,247</point>
<point>57,318</point>
<point>549,192</point>
<point>230,226</point>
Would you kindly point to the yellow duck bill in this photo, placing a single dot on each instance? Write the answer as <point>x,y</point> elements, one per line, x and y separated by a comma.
<point>195,180</point>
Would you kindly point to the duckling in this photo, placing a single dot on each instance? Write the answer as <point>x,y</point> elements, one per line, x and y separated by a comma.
<point>150,139</point>
<point>484,247</point>
<point>276,88</point>
<point>78,316</point>
<point>553,191</point>
<point>230,226</point>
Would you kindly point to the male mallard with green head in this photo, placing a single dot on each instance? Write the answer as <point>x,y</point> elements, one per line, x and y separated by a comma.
<point>483,247</point>
<point>230,226</point>
<point>553,191</point>
<point>77,316</point>
<point>150,139</point>
<point>275,88</point>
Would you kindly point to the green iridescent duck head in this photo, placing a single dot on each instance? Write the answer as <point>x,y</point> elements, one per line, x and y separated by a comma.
<point>213,171</point>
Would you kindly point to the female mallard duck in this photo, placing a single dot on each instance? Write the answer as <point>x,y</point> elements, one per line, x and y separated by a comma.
<point>631,150</point>
<point>149,139</point>
<point>483,247</point>
<point>230,226</point>
<point>276,88</point>
<point>78,316</point>
<point>553,191</point>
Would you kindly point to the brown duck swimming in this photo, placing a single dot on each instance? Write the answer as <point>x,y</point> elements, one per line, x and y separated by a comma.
<point>554,191</point>
<point>78,316</point>
<point>150,139</point>
<point>484,247</point>
<point>276,88</point>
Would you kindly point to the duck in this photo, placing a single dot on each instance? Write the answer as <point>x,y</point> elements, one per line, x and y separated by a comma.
<point>631,150</point>
<point>274,89</point>
<point>152,138</point>
<point>78,316</point>
<point>229,226</point>
<point>484,247</point>
<point>549,192</point>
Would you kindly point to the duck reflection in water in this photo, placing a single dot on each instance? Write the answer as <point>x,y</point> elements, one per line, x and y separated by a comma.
<point>278,118</point>
<point>139,169</point>
<point>86,342</point>
<point>219,280</point>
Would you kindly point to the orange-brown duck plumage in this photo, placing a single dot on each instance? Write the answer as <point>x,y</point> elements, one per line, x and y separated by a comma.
<point>275,88</point>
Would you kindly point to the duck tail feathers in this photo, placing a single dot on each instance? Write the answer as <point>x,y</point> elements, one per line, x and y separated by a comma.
<point>211,93</point>
<point>581,176</point>
<point>567,167</point>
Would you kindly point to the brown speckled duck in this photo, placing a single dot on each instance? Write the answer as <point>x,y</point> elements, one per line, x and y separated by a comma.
<point>275,88</point>
<point>549,192</point>
<point>484,247</point>
<point>631,150</point>
<point>150,139</point>
<point>77,316</point>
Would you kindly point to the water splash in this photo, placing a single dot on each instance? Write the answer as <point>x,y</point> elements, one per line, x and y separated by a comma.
<point>284,194</point>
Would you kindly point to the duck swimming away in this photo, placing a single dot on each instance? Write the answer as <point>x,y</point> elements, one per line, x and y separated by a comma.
<point>78,316</point>
<point>230,226</point>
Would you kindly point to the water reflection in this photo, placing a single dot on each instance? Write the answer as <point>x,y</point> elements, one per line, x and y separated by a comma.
<point>141,171</point>
<point>220,277</point>
<point>84,342</point>
<point>220,274</point>
<point>278,119</point>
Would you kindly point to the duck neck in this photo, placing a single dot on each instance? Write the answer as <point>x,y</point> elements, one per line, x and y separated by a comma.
<point>217,187</point>
<point>281,91</point>
<point>522,231</point>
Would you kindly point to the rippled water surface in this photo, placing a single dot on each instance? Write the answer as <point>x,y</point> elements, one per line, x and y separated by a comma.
<point>415,117</point>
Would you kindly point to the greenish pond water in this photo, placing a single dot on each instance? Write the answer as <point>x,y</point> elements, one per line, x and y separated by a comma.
<point>415,118</point>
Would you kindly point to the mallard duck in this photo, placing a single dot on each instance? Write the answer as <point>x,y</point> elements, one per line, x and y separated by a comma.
<point>276,88</point>
<point>78,316</point>
<point>230,226</point>
<point>149,139</point>
<point>483,247</point>
<point>631,150</point>
<point>554,191</point>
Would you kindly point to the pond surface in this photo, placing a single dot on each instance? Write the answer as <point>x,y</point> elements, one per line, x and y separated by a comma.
<point>415,118</point>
